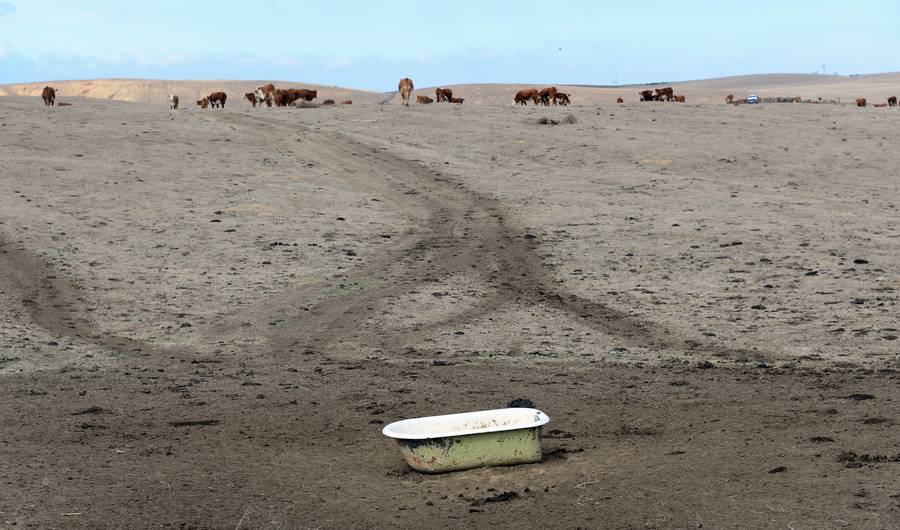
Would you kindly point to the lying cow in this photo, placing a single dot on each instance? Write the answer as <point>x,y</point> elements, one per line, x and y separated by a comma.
<point>347,102</point>
<point>328,102</point>
<point>217,99</point>
<point>443,94</point>
<point>424,100</point>
<point>680,99</point>
<point>523,96</point>
<point>458,101</point>
<point>620,100</point>
<point>203,103</point>
<point>173,102</point>
<point>49,96</point>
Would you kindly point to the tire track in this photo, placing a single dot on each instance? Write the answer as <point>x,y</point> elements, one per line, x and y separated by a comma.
<point>465,234</point>
<point>52,301</point>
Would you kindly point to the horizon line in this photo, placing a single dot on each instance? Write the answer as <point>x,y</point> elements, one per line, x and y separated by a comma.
<point>579,85</point>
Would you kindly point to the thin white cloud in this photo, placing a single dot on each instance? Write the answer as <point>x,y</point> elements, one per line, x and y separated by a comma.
<point>173,59</point>
<point>287,61</point>
<point>340,62</point>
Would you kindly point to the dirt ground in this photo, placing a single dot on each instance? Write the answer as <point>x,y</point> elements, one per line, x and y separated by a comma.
<point>207,317</point>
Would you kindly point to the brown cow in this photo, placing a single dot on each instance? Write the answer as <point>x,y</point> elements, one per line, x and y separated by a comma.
<point>892,101</point>
<point>282,97</point>
<point>665,93</point>
<point>880,105</point>
<point>729,99</point>
<point>548,94</point>
<point>347,102</point>
<point>647,95</point>
<point>49,96</point>
<point>620,100</point>
<point>174,101</point>
<point>251,97</point>
<point>443,94</point>
<point>523,96</point>
<point>63,104</point>
<point>563,99</point>
<point>265,92</point>
<point>680,99</point>
<point>861,102</point>
<point>424,100</point>
<point>217,99</point>
<point>405,87</point>
<point>303,93</point>
<point>328,102</point>
<point>203,103</point>
<point>458,101</point>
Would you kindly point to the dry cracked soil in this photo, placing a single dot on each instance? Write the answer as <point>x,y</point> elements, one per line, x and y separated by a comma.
<point>207,317</point>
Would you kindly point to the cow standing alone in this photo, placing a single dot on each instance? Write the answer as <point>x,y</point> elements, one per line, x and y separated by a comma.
<point>217,99</point>
<point>405,87</point>
<point>48,95</point>
<point>173,101</point>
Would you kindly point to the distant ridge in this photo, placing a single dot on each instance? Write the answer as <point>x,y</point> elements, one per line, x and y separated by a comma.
<point>875,87</point>
<point>157,91</point>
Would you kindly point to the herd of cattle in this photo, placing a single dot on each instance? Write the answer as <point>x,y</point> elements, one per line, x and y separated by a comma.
<point>269,95</point>
<point>661,94</point>
<point>443,95</point>
<point>545,96</point>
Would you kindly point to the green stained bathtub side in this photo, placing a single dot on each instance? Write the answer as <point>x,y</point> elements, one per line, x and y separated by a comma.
<point>456,453</point>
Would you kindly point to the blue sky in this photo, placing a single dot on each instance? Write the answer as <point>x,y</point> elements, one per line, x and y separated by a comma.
<point>371,44</point>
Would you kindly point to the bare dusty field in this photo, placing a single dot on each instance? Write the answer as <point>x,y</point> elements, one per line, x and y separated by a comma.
<point>206,317</point>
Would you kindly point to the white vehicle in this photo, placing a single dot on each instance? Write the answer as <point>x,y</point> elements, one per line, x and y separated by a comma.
<point>752,99</point>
